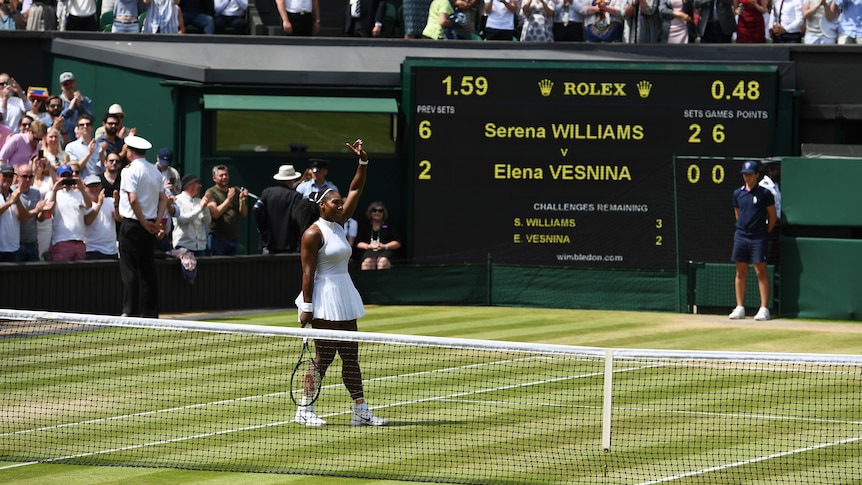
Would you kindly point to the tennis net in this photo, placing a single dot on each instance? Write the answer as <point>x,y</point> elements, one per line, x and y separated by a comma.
<point>94,390</point>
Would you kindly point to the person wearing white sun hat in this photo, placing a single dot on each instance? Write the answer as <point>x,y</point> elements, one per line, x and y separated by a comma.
<point>115,109</point>
<point>274,213</point>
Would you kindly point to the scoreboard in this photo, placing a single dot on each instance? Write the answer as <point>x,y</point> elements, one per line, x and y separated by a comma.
<point>572,164</point>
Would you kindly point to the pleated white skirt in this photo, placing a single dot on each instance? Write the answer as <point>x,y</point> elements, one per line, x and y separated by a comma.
<point>335,298</point>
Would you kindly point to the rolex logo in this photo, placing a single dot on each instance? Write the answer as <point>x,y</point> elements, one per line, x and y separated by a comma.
<point>644,87</point>
<point>545,87</point>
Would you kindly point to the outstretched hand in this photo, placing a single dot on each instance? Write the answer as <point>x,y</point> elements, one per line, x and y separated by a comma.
<point>357,149</point>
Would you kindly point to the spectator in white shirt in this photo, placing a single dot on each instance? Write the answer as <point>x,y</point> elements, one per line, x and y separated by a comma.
<point>69,204</point>
<point>100,236</point>
<point>230,17</point>
<point>13,103</point>
<point>190,222</point>
<point>786,21</point>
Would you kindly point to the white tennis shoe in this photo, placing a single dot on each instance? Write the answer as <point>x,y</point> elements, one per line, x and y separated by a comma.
<point>306,415</point>
<point>364,417</point>
<point>738,313</point>
<point>762,314</point>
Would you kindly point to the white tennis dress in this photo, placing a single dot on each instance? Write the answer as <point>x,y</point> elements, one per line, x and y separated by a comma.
<point>335,298</point>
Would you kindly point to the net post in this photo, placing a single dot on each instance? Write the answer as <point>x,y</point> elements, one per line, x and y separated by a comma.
<point>607,400</point>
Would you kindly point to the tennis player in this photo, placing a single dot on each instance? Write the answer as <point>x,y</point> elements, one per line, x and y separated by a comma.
<point>329,300</point>
<point>754,207</point>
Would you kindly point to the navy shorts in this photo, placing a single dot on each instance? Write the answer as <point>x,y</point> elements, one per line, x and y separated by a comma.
<point>749,250</point>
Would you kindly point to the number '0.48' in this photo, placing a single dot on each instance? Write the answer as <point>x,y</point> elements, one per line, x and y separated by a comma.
<point>465,85</point>
<point>743,90</point>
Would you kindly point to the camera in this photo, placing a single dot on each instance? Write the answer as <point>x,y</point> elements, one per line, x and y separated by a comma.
<point>41,153</point>
<point>458,18</point>
<point>69,181</point>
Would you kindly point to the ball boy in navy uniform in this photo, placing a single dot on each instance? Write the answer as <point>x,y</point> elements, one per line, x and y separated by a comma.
<point>754,207</point>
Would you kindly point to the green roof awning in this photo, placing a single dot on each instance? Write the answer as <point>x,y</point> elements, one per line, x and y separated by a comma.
<point>299,103</point>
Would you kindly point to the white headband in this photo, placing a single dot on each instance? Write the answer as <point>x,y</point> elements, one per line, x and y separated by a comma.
<point>322,195</point>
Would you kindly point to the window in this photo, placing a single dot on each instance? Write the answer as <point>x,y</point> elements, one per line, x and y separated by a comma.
<point>323,125</point>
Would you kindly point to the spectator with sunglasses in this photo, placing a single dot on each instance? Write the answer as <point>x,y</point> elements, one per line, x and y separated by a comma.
<point>21,148</point>
<point>115,109</point>
<point>378,241</point>
<point>10,219</point>
<point>83,149</point>
<point>10,18</point>
<point>54,109</point>
<point>112,175</point>
<point>25,124</point>
<point>112,140</point>
<point>100,235</point>
<point>37,112</point>
<point>29,214</point>
<point>23,127</point>
<point>71,202</point>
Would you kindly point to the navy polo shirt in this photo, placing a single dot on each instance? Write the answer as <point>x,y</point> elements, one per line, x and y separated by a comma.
<point>753,219</point>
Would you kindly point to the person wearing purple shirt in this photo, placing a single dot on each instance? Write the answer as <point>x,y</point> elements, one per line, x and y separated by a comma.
<point>5,131</point>
<point>20,148</point>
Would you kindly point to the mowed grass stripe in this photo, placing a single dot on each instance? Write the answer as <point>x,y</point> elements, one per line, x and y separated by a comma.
<point>491,374</point>
<point>589,329</point>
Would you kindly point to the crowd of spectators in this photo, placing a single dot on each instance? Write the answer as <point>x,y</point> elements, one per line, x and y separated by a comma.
<point>127,16</point>
<point>633,21</point>
<point>639,21</point>
<point>62,183</point>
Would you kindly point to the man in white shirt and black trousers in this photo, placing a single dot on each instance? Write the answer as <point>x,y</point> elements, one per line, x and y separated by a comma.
<point>142,204</point>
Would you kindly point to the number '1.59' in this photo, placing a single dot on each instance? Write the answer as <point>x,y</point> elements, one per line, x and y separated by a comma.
<point>466,85</point>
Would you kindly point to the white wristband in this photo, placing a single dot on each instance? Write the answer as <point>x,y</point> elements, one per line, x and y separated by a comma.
<point>306,308</point>
<point>363,162</point>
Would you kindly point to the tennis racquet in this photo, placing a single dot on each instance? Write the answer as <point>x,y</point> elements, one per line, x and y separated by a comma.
<point>305,380</point>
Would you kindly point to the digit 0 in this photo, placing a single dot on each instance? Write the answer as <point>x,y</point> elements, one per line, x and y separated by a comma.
<point>717,90</point>
<point>693,174</point>
<point>717,174</point>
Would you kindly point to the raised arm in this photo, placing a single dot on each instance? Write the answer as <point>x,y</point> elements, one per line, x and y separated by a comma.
<point>351,200</point>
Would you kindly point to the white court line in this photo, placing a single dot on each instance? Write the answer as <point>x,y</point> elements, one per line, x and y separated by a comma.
<point>240,399</point>
<point>251,398</point>
<point>752,460</point>
<point>775,417</point>
<point>278,423</point>
<point>403,403</point>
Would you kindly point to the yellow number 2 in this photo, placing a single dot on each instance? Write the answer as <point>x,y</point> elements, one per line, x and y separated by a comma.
<point>425,172</point>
